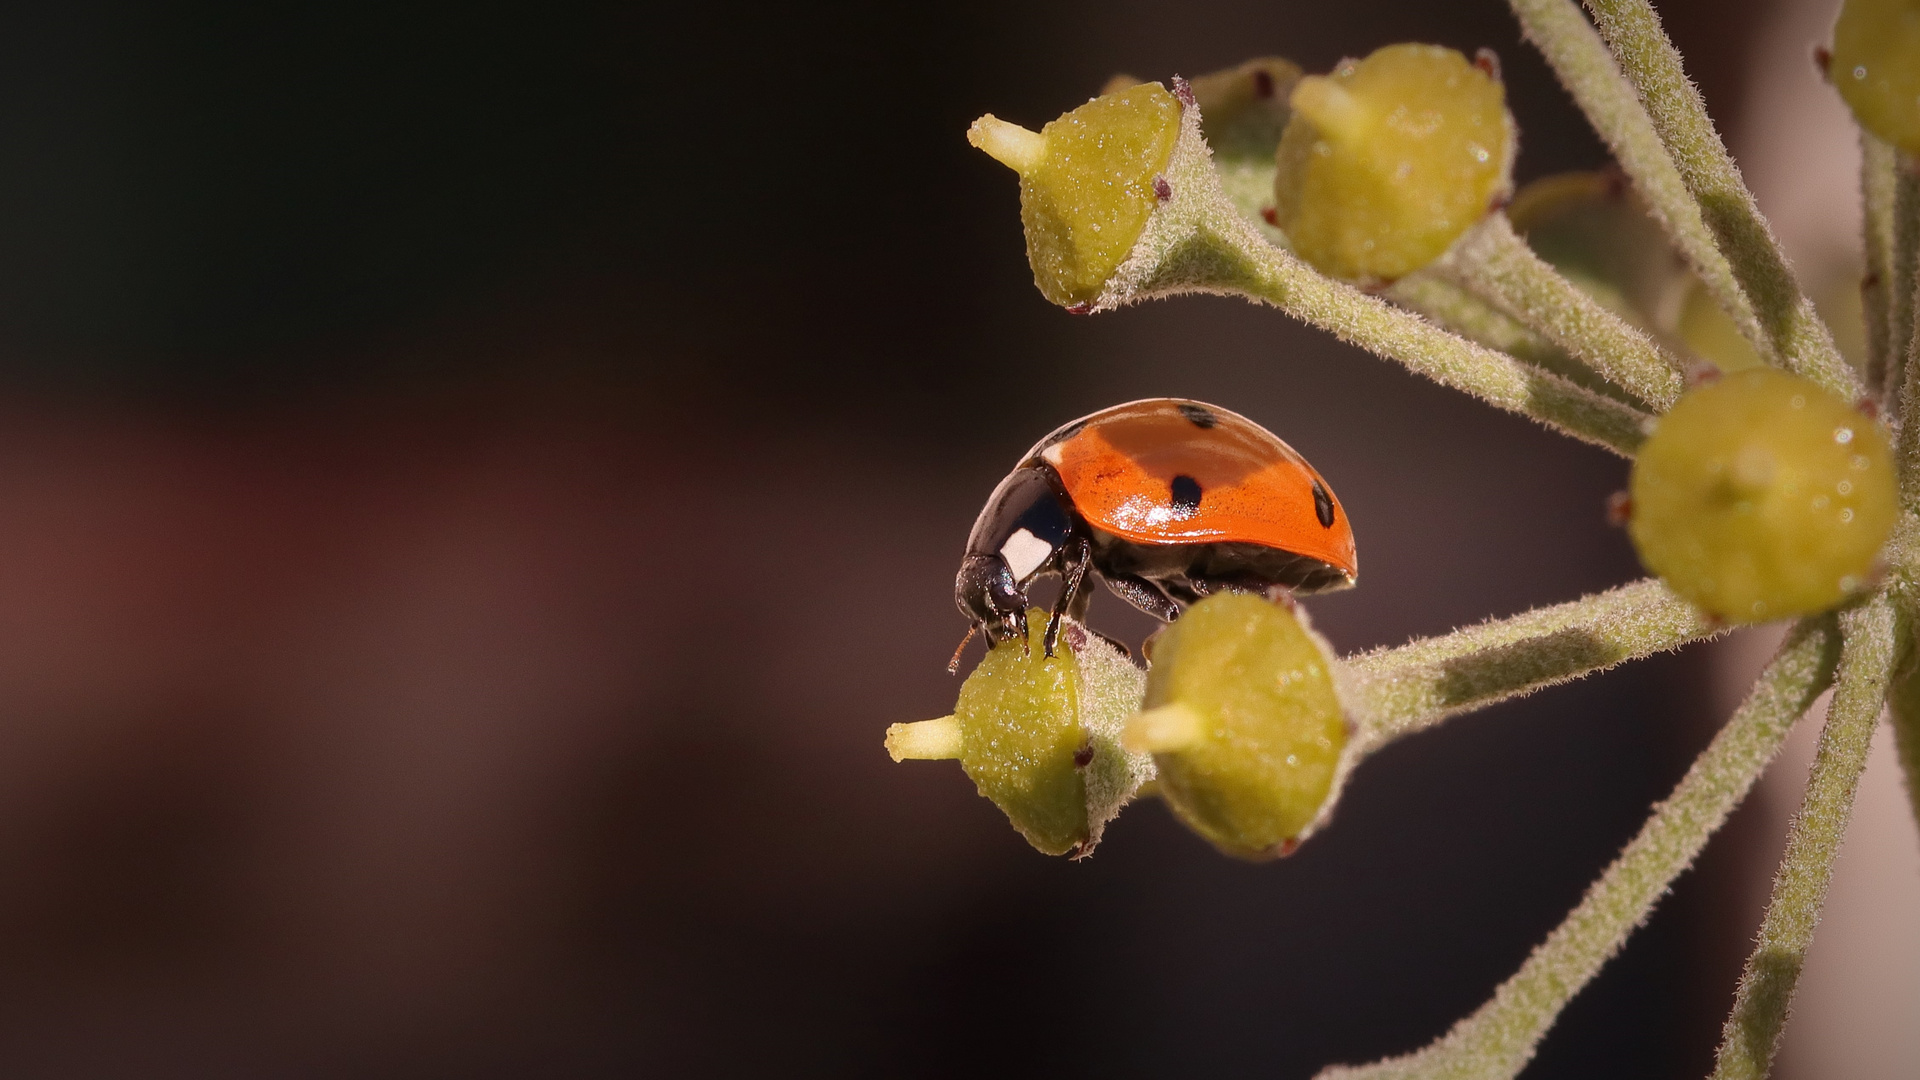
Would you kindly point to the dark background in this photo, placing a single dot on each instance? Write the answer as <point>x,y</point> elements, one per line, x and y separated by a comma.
<point>476,483</point>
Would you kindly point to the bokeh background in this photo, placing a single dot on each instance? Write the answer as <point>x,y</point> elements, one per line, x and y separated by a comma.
<point>476,483</point>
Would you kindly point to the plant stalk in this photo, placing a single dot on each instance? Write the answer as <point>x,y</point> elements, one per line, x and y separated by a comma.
<point>1498,1039</point>
<point>1395,692</point>
<point>1493,261</point>
<point>1878,192</point>
<point>1795,334</point>
<point>1584,66</point>
<point>1752,1031</point>
<point>1903,706</point>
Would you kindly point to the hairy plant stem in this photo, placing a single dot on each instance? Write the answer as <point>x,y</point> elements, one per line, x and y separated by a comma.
<point>1498,1039</point>
<point>1650,62</point>
<point>1903,708</point>
<point>1197,242</point>
<point>1447,303</point>
<point>1907,436</point>
<point>1444,301</point>
<point>1904,264</point>
<point>1752,1031</point>
<point>1397,691</point>
<point>1651,117</point>
<point>1584,66</point>
<point>1493,262</point>
<point>1879,165</point>
<point>1903,388</point>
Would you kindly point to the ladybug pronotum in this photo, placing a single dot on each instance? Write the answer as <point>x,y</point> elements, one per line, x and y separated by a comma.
<point>1167,501</point>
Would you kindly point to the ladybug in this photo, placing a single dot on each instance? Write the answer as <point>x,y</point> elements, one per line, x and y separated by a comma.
<point>1167,501</point>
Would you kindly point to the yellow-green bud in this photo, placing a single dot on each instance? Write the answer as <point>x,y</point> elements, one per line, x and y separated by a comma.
<point>1040,735</point>
<point>1876,67</point>
<point>1389,159</point>
<point>1762,496</point>
<point>1244,724</point>
<point>1086,184</point>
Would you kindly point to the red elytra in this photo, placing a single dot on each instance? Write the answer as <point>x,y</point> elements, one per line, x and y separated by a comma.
<point>1167,500</point>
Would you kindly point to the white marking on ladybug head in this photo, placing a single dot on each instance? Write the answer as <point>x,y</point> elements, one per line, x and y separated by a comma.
<point>1024,553</point>
<point>1055,454</point>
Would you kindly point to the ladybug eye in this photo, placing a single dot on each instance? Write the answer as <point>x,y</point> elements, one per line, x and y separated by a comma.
<point>1322,505</point>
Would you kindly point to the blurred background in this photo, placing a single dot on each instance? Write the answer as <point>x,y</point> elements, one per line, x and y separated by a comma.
<point>477,482</point>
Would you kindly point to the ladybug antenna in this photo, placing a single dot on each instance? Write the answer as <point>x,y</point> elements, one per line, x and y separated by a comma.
<point>953,665</point>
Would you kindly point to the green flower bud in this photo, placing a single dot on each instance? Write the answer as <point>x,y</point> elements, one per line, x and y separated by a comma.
<point>1762,496</point>
<point>1389,159</point>
<point>1876,67</point>
<point>1086,184</point>
<point>1040,736</point>
<point>1244,724</point>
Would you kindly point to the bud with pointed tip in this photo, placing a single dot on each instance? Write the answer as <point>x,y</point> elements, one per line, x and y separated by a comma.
<point>1086,184</point>
<point>1386,161</point>
<point>1039,735</point>
<point>1244,724</point>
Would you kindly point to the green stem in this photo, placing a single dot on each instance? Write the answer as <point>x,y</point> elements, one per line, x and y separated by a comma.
<point>1904,264</point>
<point>1584,66</point>
<point>1495,263</point>
<point>1443,301</point>
<point>1907,436</point>
<point>1794,331</point>
<point>1447,303</point>
<point>1752,1031</point>
<point>1498,1039</point>
<point>1397,691</point>
<point>1903,703</point>
<point>1292,286</point>
<point>1878,192</point>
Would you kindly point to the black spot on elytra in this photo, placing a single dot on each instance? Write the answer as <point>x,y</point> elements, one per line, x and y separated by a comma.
<point>1200,415</point>
<point>1186,494</point>
<point>1262,84</point>
<point>1322,505</point>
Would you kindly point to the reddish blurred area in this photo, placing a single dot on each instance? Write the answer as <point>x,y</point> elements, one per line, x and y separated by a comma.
<point>476,485</point>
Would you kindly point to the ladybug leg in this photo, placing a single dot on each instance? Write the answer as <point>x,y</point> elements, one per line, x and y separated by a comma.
<point>1075,573</point>
<point>1187,591</point>
<point>1144,595</point>
<point>1077,611</point>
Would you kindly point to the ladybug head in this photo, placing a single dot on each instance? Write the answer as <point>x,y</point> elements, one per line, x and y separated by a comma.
<point>990,598</point>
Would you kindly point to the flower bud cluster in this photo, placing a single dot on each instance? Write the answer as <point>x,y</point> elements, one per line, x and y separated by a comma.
<point>1241,723</point>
